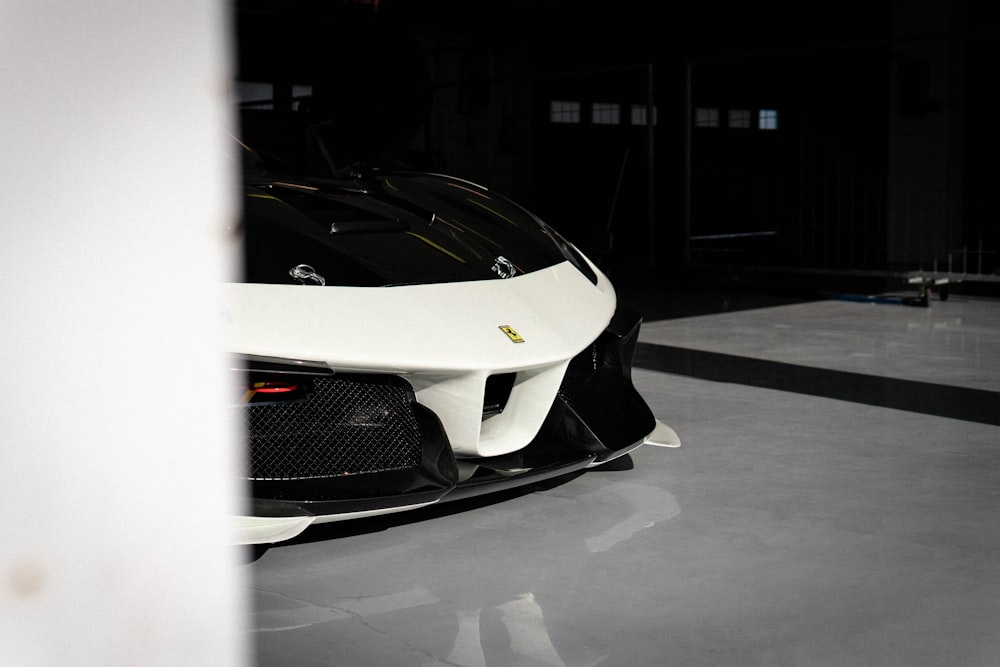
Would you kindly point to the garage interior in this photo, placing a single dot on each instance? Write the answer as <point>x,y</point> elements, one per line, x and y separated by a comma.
<point>801,203</point>
<point>834,502</point>
<point>799,199</point>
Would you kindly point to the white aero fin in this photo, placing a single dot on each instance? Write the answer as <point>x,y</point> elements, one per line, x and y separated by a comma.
<point>662,436</point>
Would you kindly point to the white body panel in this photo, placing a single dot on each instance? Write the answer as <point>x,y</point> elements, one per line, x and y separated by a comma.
<point>446,338</point>
<point>450,327</point>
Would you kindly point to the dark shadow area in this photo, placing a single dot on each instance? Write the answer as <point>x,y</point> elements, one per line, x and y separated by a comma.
<point>250,553</point>
<point>974,405</point>
<point>710,291</point>
<point>667,304</point>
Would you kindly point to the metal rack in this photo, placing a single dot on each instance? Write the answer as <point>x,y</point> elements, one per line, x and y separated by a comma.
<point>939,280</point>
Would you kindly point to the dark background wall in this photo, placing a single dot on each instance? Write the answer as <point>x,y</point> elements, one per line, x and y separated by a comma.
<point>882,160</point>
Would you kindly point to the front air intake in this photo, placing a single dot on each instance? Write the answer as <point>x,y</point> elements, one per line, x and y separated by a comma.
<point>497,393</point>
<point>348,424</point>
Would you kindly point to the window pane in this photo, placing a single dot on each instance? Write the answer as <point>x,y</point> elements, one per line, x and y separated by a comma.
<point>255,94</point>
<point>561,111</point>
<point>604,113</point>
<point>706,117</point>
<point>739,118</point>
<point>638,116</point>
<point>299,93</point>
<point>768,119</point>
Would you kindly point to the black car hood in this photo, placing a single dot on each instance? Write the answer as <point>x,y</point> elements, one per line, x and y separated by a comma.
<point>386,228</point>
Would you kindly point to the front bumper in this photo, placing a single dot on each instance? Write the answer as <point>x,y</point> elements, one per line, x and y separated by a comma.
<point>596,415</point>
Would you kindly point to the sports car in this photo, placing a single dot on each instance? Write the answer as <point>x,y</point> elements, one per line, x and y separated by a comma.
<point>402,338</point>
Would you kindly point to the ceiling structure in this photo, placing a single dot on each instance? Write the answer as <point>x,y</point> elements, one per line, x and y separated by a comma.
<point>312,35</point>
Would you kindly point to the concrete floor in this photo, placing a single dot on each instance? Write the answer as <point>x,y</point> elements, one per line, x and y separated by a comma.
<point>836,501</point>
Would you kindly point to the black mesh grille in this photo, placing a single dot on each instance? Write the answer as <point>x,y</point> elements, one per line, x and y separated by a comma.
<point>349,425</point>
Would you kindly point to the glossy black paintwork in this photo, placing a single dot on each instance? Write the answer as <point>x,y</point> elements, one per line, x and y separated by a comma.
<point>376,227</point>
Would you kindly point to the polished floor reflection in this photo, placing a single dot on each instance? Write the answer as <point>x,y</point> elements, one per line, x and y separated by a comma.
<point>835,502</point>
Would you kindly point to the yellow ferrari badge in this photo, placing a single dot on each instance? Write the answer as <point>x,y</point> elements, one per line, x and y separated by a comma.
<point>513,335</point>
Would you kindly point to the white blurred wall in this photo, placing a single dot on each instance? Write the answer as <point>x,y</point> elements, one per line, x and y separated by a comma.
<point>115,196</point>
